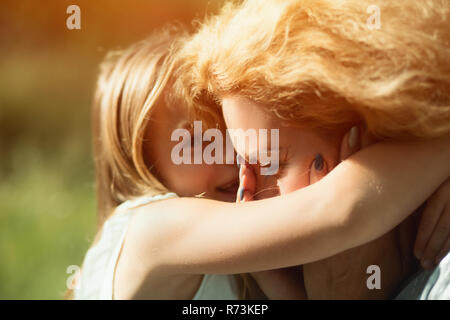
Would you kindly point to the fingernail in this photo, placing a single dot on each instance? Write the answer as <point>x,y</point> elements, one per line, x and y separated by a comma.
<point>318,162</point>
<point>241,170</point>
<point>353,137</point>
<point>239,160</point>
<point>241,194</point>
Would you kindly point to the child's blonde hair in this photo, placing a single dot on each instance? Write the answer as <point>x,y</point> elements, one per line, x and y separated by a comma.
<point>318,63</point>
<point>130,84</point>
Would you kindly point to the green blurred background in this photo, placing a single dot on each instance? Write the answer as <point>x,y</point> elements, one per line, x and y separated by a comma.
<point>47,78</point>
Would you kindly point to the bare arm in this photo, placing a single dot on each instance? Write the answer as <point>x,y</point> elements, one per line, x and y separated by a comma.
<point>361,199</point>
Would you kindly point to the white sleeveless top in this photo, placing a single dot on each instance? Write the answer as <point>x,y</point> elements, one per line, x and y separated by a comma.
<point>97,274</point>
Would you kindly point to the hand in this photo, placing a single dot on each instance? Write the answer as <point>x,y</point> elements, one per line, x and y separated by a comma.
<point>247,183</point>
<point>355,139</point>
<point>286,283</point>
<point>433,236</point>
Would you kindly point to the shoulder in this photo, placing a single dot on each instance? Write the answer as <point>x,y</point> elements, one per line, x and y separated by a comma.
<point>144,211</point>
<point>141,269</point>
<point>143,200</point>
<point>152,227</point>
<point>101,259</point>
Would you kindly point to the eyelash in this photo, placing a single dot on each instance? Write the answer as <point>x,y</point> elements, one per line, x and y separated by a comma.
<point>283,164</point>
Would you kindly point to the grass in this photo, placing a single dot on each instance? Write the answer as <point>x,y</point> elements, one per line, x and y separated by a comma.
<point>47,204</point>
<point>47,219</point>
<point>47,201</point>
<point>47,198</point>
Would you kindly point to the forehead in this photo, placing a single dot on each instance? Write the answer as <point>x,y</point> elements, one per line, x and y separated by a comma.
<point>163,120</point>
<point>243,115</point>
<point>166,118</point>
<point>240,112</point>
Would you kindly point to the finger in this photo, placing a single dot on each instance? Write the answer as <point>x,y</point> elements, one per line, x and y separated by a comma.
<point>351,142</point>
<point>444,251</point>
<point>437,240</point>
<point>247,183</point>
<point>428,222</point>
<point>318,170</point>
<point>240,191</point>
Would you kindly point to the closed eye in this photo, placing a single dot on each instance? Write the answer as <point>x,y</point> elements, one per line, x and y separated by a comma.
<point>284,164</point>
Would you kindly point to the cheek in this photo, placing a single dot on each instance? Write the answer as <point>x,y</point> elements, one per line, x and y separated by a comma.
<point>294,179</point>
<point>266,187</point>
<point>188,180</point>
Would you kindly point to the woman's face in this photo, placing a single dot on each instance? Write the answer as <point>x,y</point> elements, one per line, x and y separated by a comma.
<point>298,147</point>
<point>214,181</point>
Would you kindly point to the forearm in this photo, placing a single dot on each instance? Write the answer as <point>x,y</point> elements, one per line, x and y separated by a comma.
<point>390,181</point>
<point>361,199</point>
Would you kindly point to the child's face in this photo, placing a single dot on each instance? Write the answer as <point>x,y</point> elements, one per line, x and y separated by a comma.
<point>298,147</point>
<point>216,181</point>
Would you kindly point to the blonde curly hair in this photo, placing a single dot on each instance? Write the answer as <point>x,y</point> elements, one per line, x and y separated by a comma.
<point>318,63</point>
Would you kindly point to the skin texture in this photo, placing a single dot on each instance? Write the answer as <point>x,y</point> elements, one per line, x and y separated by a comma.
<point>341,276</point>
<point>215,181</point>
<point>157,260</point>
